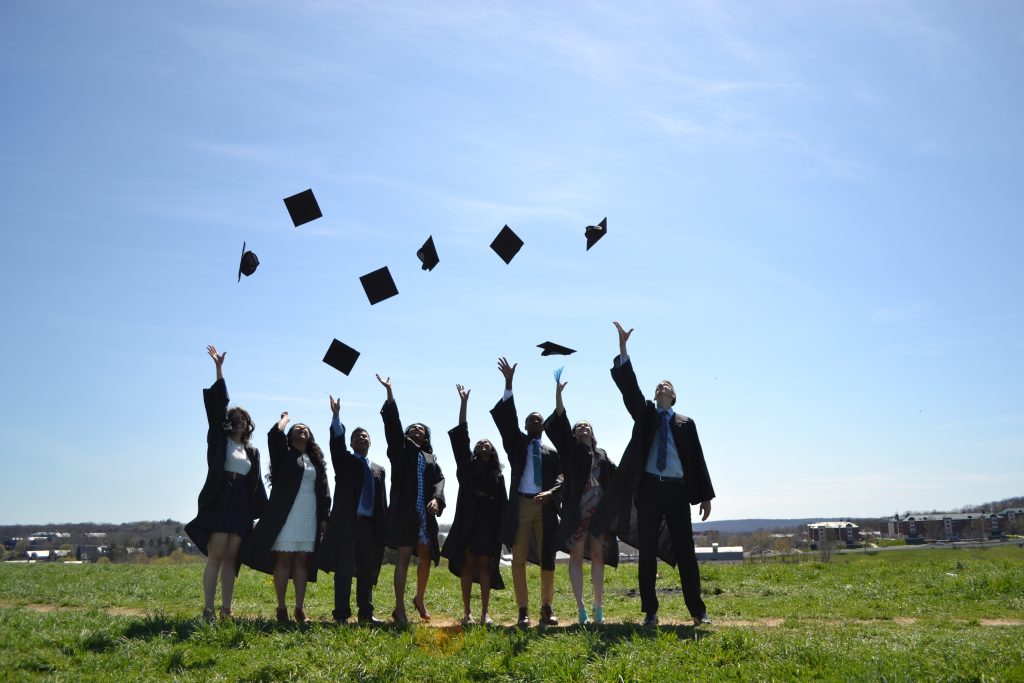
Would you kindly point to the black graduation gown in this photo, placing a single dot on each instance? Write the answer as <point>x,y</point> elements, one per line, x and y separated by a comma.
<point>256,550</point>
<point>337,545</point>
<point>469,507</point>
<point>617,511</point>
<point>515,442</point>
<point>576,461</point>
<point>403,523</point>
<point>216,400</point>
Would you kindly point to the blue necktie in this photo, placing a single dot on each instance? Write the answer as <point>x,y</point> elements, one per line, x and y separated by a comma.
<point>366,500</point>
<point>663,441</point>
<point>538,474</point>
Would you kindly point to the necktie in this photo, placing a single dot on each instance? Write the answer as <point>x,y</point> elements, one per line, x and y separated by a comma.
<point>538,473</point>
<point>663,441</point>
<point>366,500</point>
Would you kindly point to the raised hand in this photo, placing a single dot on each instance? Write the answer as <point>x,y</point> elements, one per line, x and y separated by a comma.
<point>335,404</point>
<point>218,359</point>
<point>283,422</point>
<point>507,371</point>
<point>463,392</point>
<point>386,383</point>
<point>623,337</point>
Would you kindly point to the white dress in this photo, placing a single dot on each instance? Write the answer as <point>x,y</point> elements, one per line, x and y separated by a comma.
<point>299,531</point>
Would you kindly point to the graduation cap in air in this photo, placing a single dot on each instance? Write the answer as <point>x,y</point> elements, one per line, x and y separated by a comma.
<point>302,207</point>
<point>379,285</point>
<point>341,357</point>
<point>507,244</point>
<point>247,266</point>
<point>553,349</point>
<point>427,254</point>
<point>596,232</point>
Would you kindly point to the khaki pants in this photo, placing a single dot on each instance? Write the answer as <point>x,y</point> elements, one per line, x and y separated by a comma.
<point>530,526</point>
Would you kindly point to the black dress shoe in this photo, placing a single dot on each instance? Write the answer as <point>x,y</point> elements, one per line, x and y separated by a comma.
<point>370,621</point>
<point>341,618</point>
<point>651,619</point>
<point>547,616</point>
<point>524,618</point>
<point>702,620</point>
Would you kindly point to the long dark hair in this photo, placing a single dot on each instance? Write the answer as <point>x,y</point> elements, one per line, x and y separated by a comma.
<point>248,419</point>
<point>316,455</point>
<point>426,446</point>
<point>493,461</point>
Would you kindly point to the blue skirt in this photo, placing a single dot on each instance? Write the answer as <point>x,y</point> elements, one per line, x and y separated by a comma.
<point>231,509</point>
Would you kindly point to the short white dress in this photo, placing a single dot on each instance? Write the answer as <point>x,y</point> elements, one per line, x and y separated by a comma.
<point>298,535</point>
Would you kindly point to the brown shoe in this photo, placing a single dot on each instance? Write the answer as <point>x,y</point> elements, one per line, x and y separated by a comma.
<point>547,617</point>
<point>282,615</point>
<point>422,609</point>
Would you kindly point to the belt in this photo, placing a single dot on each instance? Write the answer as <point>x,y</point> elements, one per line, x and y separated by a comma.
<point>661,479</point>
<point>233,475</point>
<point>529,496</point>
<point>364,518</point>
<point>481,494</point>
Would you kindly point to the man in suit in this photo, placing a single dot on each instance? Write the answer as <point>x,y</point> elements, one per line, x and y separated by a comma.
<point>531,517</point>
<point>663,469</point>
<point>354,542</point>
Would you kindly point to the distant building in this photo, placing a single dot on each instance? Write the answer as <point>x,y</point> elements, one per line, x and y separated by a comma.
<point>948,526</point>
<point>843,532</point>
<point>716,553</point>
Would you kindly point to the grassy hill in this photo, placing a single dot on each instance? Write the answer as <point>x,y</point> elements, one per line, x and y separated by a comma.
<point>929,614</point>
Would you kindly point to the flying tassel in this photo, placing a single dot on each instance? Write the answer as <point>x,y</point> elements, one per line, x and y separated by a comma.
<point>558,375</point>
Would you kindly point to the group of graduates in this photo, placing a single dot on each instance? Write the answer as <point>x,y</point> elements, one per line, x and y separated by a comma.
<point>571,498</point>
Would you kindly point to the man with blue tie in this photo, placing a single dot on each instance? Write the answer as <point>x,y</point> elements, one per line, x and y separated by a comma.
<point>531,518</point>
<point>354,542</point>
<point>663,470</point>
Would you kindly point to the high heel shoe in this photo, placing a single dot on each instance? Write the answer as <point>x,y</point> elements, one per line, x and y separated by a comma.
<point>208,615</point>
<point>422,609</point>
<point>598,615</point>
<point>282,615</point>
<point>225,613</point>
<point>300,616</point>
<point>399,619</point>
<point>584,618</point>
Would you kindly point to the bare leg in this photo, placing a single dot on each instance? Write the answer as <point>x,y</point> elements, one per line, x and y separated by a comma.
<point>468,566</point>
<point>401,571</point>
<point>214,558</point>
<point>422,575</point>
<point>300,574</point>
<point>282,572</point>
<point>576,571</point>
<point>484,567</point>
<point>227,572</point>
<point>597,569</point>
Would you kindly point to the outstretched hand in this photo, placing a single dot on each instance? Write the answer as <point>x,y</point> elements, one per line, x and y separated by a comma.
<point>463,392</point>
<point>335,404</point>
<point>623,335</point>
<point>385,382</point>
<point>218,358</point>
<point>507,370</point>
<point>559,386</point>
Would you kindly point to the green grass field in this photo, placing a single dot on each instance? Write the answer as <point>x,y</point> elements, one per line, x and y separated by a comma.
<point>923,614</point>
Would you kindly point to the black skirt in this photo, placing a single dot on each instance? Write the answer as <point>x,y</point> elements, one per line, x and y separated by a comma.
<point>484,533</point>
<point>231,509</point>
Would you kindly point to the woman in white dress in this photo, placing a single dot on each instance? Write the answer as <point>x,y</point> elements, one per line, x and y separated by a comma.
<point>285,540</point>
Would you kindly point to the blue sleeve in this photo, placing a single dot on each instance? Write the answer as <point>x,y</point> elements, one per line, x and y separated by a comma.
<point>337,429</point>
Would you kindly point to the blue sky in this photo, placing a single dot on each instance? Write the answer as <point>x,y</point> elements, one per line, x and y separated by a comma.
<point>814,226</point>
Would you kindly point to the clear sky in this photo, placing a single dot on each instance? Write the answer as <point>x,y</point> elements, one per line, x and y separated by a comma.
<point>814,217</point>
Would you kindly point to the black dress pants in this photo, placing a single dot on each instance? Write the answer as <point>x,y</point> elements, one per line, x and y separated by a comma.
<point>668,501</point>
<point>363,548</point>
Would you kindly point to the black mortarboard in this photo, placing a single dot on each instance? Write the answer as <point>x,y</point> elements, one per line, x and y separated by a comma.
<point>553,349</point>
<point>596,232</point>
<point>507,244</point>
<point>379,285</point>
<point>341,357</point>
<point>302,207</point>
<point>428,254</point>
<point>247,266</point>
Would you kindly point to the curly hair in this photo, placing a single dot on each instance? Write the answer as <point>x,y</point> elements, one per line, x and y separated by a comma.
<point>316,455</point>
<point>247,436</point>
<point>494,462</point>
<point>426,446</point>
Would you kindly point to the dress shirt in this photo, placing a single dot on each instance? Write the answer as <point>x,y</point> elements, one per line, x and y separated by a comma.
<point>526,484</point>
<point>235,458</point>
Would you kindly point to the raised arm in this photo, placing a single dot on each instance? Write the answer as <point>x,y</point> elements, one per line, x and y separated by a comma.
<point>625,378</point>
<point>504,412</point>
<point>216,397</point>
<point>277,441</point>
<point>341,457</point>
<point>557,427</point>
<point>459,435</point>
<point>392,422</point>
